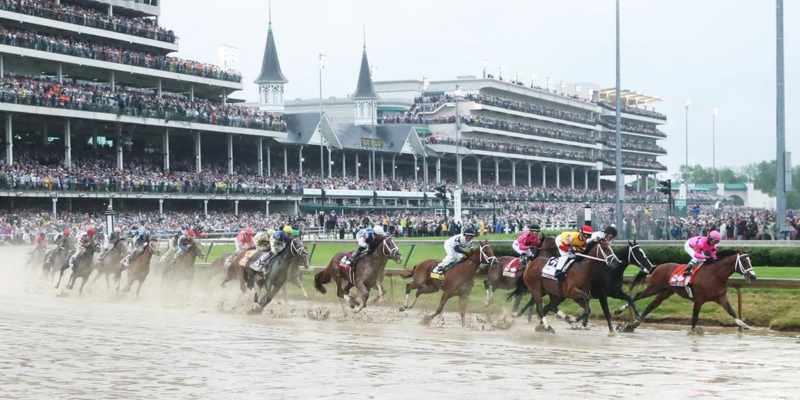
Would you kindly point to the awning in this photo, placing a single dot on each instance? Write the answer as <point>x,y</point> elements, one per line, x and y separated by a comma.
<point>735,186</point>
<point>423,131</point>
<point>392,108</point>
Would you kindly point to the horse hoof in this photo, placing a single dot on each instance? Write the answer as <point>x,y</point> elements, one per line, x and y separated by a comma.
<point>550,330</point>
<point>612,334</point>
<point>570,319</point>
<point>402,309</point>
<point>696,332</point>
<point>617,311</point>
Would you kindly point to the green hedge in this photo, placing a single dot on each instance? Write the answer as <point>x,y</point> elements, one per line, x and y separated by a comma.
<point>759,256</point>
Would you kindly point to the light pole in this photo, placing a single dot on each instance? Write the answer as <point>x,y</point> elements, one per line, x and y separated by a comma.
<point>534,78</point>
<point>714,113</point>
<point>486,64</point>
<point>502,69</point>
<point>780,120</point>
<point>686,177</point>
<point>519,73</point>
<point>620,183</point>
<point>549,81</point>
<point>323,62</point>
<point>563,86</point>
<point>456,94</point>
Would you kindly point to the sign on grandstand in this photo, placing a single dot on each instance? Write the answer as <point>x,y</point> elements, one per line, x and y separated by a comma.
<point>457,203</point>
<point>371,143</point>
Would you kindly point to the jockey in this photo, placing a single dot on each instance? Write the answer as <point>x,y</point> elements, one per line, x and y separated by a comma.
<point>111,242</point>
<point>456,248</point>
<point>61,240</point>
<point>262,240</point>
<point>697,246</point>
<point>139,243</point>
<point>184,242</point>
<point>244,242</point>
<point>525,242</point>
<point>279,239</point>
<point>85,240</point>
<point>364,238</point>
<point>39,244</point>
<point>608,234</point>
<point>568,244</point>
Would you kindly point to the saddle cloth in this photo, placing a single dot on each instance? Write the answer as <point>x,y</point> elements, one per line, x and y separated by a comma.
<point>511,268</point>
<point>549,269</point>
<point>262,259</point>
<point>676,279</point>
<point>246,257</point>
<point>346,260</point>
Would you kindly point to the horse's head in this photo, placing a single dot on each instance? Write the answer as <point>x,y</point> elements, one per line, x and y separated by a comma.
<point>603,252</point>
<point>198,248</point>
<point>152,247</point>
<point>485,254</point>
<point>547,247</point>
<point>390,250</point>
<point>741,263</point>
<point>298,249</point>
<point>637,257</point>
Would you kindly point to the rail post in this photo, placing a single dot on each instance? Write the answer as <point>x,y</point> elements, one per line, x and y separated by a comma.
<point>208,253</point>
<point>311,256</point>
<point>391,289</point>
<point>408,257</point>
<point>739,298</point>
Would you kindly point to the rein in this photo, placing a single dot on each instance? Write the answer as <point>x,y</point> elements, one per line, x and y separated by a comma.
<point>606,257</point>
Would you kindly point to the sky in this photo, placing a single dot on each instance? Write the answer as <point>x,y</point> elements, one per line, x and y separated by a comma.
<point>718,53</point>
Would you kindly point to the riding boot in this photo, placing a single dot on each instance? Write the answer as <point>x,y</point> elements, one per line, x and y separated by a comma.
<point>689,269</point>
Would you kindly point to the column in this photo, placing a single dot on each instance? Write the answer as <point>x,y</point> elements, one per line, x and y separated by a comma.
<point>394,168</point>
<point>344,165</point>
<point>9,140</point>
<point>118,145</point>
<point>330,162</point>
<point>370,173</point>
<point>438,170</point>
<point>205,207</point>
<point>480,161</point>
<point>416,169</point>
<point>286,162</point>
<point>158,88</point>
<point>113,79</point>
<point>586,179</point>
<point>224,97</point>
<point>530,176</point>
<point>558,176</point>
<point>230,153</point>
<point>598,180</point>
<point>300,159</point>
<point>165,150</point>
<point>191,92</point>
<point>459,171</point>
<point>110,10</point>
<point>94,139</point>
<point>260,156</point>
<point>638,183</point>
<point>296,207</point>
<point>198,154</point>
<point>60,73</point>
<point>424,170</point>
<point>45,133</point>
<point>269,161</point>
<point>55,200</point>
<point>236,207</point>
<point>68,143</point>
<point>2,66</point>
<point>357,164</point>
<point>514,173</point>
<point>161,206</point>
<point>572,177</point>
<point>497,172</point>
<point>266,208</point>
<point>544,175</point>
<point>382,176</point>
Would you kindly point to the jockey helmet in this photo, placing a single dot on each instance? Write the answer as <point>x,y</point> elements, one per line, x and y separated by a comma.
<point>369,231</point>
<point>190,233</point>
<point>271,232</point>
<point>288,230</point>
<point>113,235</point>
<point>378,229</point>
<point>90,231</point>
<point>295,232</point>
<point>610,230</point>
<point>118,230</point>
<point>714,236</point>
<point>66,232</point>
<point>145,233</point>
<point>469,232</point>
<point>535,228</point>
<point>249,231</point>
<point>587,230</point>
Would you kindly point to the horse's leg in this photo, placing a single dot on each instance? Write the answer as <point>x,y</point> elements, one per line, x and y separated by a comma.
<point>83,283</point>
<point>462,308</point>
<point>651,290</point>
<point>298,281</point>
<point>537,297</point>
<point>656,302</point>
<point>528,306</point>
<point>442,302</point>
<point>139,287</point>
<point>695,315</point>
<point>606,312</point>
<point>364,290</point>
<point>408,293</point>
<point>621,295</point>
<point>61,274</point>
<point>723,301</point>
<point>488,288</point>
<point>424,289</point>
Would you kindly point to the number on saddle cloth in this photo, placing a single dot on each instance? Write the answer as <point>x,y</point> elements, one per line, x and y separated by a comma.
<point>246,257</point>
<point>549,269</point>
<point>511,268</point>
<point>677,279</point>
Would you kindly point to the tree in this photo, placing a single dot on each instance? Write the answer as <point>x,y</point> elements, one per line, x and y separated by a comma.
<point>727,175</point>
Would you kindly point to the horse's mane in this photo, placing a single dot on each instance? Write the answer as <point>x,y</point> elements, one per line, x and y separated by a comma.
<point>727,253</point>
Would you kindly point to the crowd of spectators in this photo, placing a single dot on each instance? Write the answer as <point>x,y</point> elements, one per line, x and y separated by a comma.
<point>631,127</point>
<point>87,16</point>
<point>118,55</point>
<point>505,147</point>
<point>629,162</point>
<point>634,110</point>
<point>121,100</point>
<point>518,127</point>
<point>415,119</point>
<point>629,144</point>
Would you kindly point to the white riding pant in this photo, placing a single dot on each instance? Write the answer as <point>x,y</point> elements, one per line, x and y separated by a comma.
<point>519,251</point>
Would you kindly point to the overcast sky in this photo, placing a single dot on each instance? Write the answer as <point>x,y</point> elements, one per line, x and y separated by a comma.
<point>719,53</point>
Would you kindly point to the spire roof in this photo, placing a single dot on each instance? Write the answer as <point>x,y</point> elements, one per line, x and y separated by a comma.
<point>364,89</point>
<point>270,66</point>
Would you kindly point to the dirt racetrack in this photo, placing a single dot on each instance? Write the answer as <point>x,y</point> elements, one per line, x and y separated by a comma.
<point>198,344</point>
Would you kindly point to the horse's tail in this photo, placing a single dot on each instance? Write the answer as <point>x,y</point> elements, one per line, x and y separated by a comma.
<point>520,290</point>
<point>406,273</point>
<point>320,279</point>
<point>638,280</point>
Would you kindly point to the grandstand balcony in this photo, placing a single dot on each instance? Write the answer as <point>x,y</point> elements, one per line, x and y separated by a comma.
<point>138,8</point>
<point>515,113</point>
<point>608,163</point>
<point>587,142</point>
<point>609,127</point>
<point>656,151</point>
<point>633,114</point>
<point>81,192</point>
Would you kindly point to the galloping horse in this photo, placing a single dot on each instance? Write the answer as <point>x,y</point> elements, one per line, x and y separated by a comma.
<point>110,264</point>
<point>369,271</point>
<point>35,257</point>
<point>54,257</point>
<point>457,282</point>
<point>83,268</point>
<point>607,281</point>
<point>496,280</point>
<point>278,271</point>
<point>576,284</point>
<point>710,283</point>
<point>183,268</point>
<point>140,267</point>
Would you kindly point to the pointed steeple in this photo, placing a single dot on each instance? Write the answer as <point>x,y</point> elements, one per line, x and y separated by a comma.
<point>364,89</point>
<point>270,66</point>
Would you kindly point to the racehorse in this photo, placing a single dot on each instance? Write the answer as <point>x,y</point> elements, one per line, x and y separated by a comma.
<point>83,268</point>
<point>607,282</point>
<point>369,270</point>
<point>457,282</point>
<point>496,280</point>
<point>278,270</point>
<point>56,256</point>
<point>109,264</point>
<point>183,268</point>
<point>140,267</point>
<point>710,283</point>
<point>35,257</point>
<point>576,284</point>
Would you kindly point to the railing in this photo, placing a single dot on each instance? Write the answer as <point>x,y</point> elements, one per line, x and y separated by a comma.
<point>91,187</point>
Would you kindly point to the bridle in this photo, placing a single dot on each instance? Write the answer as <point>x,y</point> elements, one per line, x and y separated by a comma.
<point>632,256</point>
<point>393,251</point>
<point>606,256</point>
<point>488,260</point>
<point>739,266</point>
<point>297,249</point>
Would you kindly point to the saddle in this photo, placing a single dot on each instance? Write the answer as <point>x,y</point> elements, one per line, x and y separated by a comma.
<point>347,266</point>
<point>246,257</point>
<point>511,268</point>
<point>549,269</point>
<point>676,279</point>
